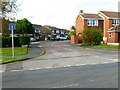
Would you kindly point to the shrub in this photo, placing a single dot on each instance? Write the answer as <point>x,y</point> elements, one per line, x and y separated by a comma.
<point>4,41</point>
<point>24,40</point>
<point>92,36</point>
<point>71,33</point>
<point>16,41</point>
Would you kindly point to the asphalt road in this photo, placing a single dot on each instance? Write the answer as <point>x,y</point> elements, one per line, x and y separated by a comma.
<point>88,76</point>
<point>64,66</point>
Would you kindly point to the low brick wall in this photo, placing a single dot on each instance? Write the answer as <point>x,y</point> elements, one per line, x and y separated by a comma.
<point>74,39</point>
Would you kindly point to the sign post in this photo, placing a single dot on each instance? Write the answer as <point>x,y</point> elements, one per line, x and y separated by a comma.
<point>12,27</point>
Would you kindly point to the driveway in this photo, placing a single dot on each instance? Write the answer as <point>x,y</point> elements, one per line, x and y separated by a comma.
<point>59,54</point>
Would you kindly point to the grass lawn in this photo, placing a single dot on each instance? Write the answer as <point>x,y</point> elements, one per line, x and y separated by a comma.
<point>17,50</point>
<point>103,46</point>
<point>10,59</point>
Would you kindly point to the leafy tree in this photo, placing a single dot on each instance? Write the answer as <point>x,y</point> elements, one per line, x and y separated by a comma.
<point>72,32</point>
<point>9,9</point>
<point>24,26</point>
<point>73,28</point>
<point>92,36</point>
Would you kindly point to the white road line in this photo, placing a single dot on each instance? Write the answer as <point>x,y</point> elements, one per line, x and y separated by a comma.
<point>116,60</point>
<point>67,86</point>
<point>16,70</point>
<point>1,71</point>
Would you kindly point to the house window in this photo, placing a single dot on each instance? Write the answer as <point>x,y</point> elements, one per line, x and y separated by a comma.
<point>57,31</point>
<point>62,32</point>
<point>110,35</point>
<point>116,22</point>
<point>37,30</point>
<point>92,22</point>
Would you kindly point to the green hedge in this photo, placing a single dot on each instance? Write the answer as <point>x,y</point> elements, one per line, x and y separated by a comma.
<point>4,41</point>
<point>16,41</point>
<point>24,40</point>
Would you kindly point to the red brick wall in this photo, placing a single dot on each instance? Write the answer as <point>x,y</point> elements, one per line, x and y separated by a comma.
<point>74,39</point>
<point>114,38</point>
<point>107,25</point>
<point>79,25</point>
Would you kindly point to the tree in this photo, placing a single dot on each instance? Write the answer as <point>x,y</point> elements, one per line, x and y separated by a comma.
<point>72,32</point>
<point>9,9</point>
<point>73,28</point>
<point>92,36</point>
<point>24,26</point>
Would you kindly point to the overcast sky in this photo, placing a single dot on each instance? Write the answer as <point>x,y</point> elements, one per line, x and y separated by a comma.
<point>61,13</point>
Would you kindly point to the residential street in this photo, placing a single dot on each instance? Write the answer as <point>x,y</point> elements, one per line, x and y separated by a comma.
<point>64,66</point>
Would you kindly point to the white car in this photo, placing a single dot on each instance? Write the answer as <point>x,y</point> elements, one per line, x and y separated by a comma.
<point>62,38</point>
<point>32,39</point>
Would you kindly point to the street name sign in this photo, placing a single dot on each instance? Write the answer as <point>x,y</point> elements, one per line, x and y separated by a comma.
<point>12,26</point>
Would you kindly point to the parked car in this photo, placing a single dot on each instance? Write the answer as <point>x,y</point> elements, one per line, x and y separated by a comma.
<point>62,38</point>
<point>32,39</point>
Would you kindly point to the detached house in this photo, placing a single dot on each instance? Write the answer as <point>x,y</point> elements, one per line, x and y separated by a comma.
<point>105,20</point>
<point>111,26</point>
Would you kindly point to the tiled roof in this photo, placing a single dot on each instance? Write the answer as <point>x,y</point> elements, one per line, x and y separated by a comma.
<point>54,28</point>
<point>111,14</point>
<point>87,15</point>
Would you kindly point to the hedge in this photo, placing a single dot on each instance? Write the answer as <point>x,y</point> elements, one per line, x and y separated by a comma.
<point>24,40</point>
<point>16,41</point>
<point>4,41</point>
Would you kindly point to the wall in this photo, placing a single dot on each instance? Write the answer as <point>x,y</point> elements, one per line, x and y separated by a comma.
<point>74,39</point>
<point>114,38</point>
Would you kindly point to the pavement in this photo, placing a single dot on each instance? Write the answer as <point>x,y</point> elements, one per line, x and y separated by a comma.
<point>59,54</point>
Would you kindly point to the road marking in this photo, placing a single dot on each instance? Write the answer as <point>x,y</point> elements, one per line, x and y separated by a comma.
<point>2,71</point>
<point>69,65</point>
<point>67,86</point>
<point>16,70</point>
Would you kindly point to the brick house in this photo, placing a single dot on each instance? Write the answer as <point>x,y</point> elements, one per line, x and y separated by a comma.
<point>37,34</point>
<point>111,26</point>
<point>86,20</point>
<point>105,20</point>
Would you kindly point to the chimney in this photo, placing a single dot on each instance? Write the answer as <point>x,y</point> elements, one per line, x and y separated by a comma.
<point>81,12</point>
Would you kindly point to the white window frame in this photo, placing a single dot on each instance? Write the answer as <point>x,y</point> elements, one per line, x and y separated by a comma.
<point>92,22</point>
<point>115,22</point>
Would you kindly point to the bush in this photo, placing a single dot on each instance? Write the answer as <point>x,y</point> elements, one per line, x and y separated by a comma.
<point>92,36</point>
<point>71,33</point>
<point>4,41</point>
<point>24,40</point>
<point>16,41</point>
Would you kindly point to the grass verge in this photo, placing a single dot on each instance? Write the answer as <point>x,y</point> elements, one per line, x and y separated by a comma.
<point>17,51</point>
<point>4,60</point>
<point>103,46</point>
<point>8,60</point>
